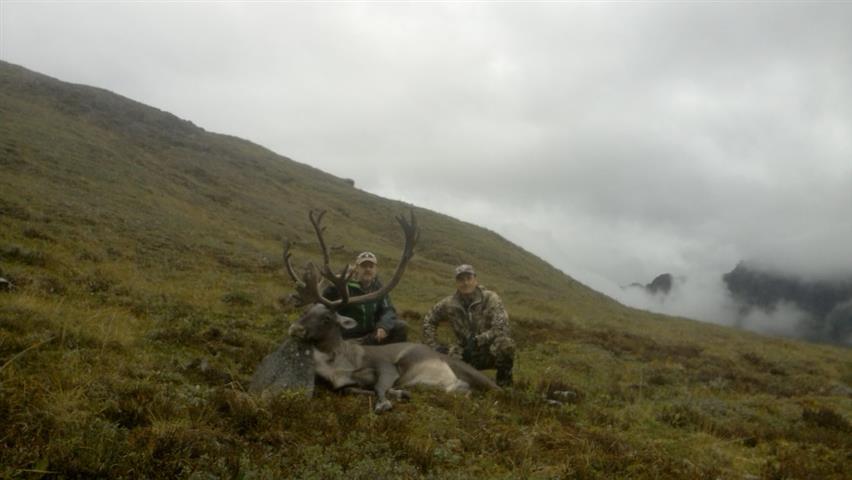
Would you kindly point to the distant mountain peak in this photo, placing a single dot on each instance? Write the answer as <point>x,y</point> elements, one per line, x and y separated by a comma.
<point>661,284</point>
<point>826,301</point>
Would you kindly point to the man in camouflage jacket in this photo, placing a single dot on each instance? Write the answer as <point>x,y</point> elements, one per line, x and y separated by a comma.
<point>480,324</point>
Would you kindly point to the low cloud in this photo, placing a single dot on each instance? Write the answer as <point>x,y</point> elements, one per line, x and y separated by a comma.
<point>784,319</point>
<point>703,297</point>
<point>708,298</point>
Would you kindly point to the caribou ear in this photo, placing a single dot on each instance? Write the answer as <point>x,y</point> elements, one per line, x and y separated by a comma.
<point>346,322</point>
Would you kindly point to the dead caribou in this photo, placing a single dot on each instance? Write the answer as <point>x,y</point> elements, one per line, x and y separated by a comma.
<point>381,370</point>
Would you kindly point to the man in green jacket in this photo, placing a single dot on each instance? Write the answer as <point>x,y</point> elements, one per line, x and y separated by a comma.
<point>480,324</point>
<point>377,320</point>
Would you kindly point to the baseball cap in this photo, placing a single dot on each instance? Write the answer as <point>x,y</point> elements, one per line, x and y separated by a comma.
<point>465,268</point>
<point>366,257</point>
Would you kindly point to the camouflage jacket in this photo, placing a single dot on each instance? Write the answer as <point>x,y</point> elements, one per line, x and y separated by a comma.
<point>485,319</point>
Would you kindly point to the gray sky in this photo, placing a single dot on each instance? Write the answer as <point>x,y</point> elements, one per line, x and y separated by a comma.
<point>617,141</point>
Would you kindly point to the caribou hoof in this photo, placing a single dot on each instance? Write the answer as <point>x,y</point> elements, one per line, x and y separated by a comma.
<point>383,406</point>
<point>399,394</point>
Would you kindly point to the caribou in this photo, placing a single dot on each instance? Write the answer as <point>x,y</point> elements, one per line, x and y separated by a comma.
<point>384,370</point>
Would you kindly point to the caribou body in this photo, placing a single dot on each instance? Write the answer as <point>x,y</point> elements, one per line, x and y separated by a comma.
<point>382,370</point>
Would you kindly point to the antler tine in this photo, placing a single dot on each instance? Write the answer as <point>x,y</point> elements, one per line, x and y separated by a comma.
<point>412,234</point>
<point>289,266</point>
<point>316,220</point>
<point>340,282</point>
<point>311,288</point>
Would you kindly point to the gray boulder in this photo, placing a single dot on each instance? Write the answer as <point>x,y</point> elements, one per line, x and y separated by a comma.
<point>289,367</point>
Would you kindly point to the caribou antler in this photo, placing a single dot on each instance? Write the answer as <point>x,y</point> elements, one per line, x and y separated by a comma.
<point>339,281</point>
<point>288,265</point>
<point>412,234</point>
<point>308,286</point>
<point>316,220</point>
<point>303,295</point>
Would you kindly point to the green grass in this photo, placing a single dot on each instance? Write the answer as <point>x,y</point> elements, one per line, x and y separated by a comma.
<point>146,258</point>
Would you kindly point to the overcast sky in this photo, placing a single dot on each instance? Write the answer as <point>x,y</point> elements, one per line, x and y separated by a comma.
<point>617,141</point>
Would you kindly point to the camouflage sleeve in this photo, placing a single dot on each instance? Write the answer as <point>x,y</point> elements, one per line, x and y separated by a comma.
<point>430,324</point>
<point>499,320</point>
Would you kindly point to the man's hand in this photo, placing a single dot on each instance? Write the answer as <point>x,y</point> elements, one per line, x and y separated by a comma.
<point>381,334</point>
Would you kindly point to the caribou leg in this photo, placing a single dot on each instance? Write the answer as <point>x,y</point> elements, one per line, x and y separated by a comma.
<point>388,375</point>
<point>398,394</point>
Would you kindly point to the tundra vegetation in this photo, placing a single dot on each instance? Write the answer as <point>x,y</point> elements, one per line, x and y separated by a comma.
<point>148,285</point>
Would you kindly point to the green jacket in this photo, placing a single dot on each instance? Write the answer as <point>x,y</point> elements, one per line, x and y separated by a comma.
<point>484,319</point>
<point>370,315</point>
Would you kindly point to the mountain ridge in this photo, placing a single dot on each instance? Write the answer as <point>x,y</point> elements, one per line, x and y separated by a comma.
<point>189,173</point>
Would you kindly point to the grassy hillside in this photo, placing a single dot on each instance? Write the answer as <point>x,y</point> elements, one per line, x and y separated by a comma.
<point>146,257</point>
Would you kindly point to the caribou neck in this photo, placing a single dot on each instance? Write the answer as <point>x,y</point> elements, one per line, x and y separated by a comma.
<point>331,343</point>
<point>334,344</point>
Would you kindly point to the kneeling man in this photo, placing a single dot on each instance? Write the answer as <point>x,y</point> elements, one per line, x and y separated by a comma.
<point>480,324</point>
